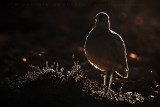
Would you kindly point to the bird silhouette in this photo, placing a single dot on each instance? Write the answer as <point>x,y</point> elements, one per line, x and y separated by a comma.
<point>105,49</point>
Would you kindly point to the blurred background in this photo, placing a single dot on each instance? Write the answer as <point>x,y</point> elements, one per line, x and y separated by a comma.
<point>34,31</point>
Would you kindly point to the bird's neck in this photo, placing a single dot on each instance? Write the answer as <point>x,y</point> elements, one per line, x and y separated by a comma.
<point>103,25</point>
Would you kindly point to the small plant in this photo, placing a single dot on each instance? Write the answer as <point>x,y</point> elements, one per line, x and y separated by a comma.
<point>75,79</point>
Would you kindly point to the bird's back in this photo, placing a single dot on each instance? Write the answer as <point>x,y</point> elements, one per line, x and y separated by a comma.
<point>106,50</point>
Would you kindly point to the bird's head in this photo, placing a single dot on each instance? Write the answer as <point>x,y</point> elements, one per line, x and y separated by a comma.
<point>102,19</point>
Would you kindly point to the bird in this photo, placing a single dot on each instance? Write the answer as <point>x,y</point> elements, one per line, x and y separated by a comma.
<point>105,49</point>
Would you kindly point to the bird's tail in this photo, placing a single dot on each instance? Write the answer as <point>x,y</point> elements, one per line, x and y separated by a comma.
<point>123,71</point>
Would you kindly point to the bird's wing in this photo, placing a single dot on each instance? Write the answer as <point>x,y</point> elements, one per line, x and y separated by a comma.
<point>119,52</point>
<point>121,49</point>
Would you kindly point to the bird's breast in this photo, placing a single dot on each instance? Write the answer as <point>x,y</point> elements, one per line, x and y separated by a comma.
<point>98,46</point>
<point>106,51</point>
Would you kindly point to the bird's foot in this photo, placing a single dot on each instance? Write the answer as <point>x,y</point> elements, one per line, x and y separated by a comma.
<point>102,91</point>
<point>109,93</point>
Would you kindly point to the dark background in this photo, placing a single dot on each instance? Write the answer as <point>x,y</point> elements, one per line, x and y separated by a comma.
<point>40,30</point>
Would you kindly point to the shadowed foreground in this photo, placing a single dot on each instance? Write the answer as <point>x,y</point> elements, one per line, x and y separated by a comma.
<point>53,86</point>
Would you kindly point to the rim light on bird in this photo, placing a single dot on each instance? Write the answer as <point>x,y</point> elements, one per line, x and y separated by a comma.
<point>105,49</point>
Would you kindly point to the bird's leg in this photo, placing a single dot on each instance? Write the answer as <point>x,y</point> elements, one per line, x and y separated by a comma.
<point>110,81</point>
<point>105,76</point>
